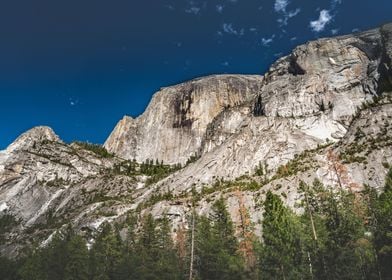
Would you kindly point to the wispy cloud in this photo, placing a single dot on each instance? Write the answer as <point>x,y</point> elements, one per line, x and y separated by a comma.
<point>319,24</point>
<point>219,8</point>
<point>280,7</point>
<point>230,29</point>
<point>194,7</point>
<point>335,31</point>
<point>326,16</point>
<point>73,101</point>
<point>266,42</point>
<point>334,3</point>
<point>193,10</point>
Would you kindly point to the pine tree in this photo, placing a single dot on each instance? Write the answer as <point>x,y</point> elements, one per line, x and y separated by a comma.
<point>346,247</point>
<point>8,269</point>
<point>77,264</point>
<point>55,255</point>
<point>167,265</point>
<point>281,253</point>
<point>33,267</point>
<point>105,255</point>
<point>383,232</point>
<point>217,247</point>
<point>147,248</point>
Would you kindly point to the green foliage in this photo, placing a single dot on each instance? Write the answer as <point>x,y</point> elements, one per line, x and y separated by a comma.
<point>192,159</point>
<point>281,252</point>
<point>77,264</point>
<point>95,148</point>
<point>8,269</point>
<point>300,163</point>
<point>105,254</point>
<point>7,222</point>
<point>382,211</point>
<point>217,247</point>
<point>339,235</point>
<point>365,143</point>
<point>260,170</point>
<point>155,171</point>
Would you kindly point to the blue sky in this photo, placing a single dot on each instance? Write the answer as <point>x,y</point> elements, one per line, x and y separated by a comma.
<point>80,65</point>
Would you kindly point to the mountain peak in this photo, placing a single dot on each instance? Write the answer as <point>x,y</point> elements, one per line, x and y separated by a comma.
<point>35,135</point>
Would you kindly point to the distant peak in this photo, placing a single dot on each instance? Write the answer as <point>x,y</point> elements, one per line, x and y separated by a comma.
<point>127,118</point>
<point>35,135</point>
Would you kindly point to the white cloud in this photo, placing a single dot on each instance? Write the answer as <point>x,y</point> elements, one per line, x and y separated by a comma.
<point>334,3</point>
<point>267,41</point>
<point>219,8</point>
<point>229,29</point>
<point>287,15</point>
<point>195,7</point>
<point>73,101</point>
<point>193,10</point>
<point>319,24</point>
<point>294,13</point>
<point>281,5</point>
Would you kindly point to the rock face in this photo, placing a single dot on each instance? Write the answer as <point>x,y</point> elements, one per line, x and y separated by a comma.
<point>45,183</point>
<point>173,127</point>
<point>306,99</point>
<point>327,103</point>
<point>30,138</point>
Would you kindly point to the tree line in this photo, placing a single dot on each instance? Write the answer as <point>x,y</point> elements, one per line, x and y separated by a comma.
<point>338,235</point>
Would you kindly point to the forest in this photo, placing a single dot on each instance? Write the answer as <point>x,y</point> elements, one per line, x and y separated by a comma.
<point>338,235</point>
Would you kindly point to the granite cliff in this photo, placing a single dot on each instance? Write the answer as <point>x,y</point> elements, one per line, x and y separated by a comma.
<point>326,104</point>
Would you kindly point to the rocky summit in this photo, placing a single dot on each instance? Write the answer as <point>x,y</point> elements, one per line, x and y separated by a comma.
<point>322,112</point>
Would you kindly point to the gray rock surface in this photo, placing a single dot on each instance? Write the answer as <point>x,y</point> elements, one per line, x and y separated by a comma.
<point>328,102</point>
<point>173,126</point>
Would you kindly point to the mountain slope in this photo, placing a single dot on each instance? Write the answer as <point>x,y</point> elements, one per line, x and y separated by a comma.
<point>323,112</point>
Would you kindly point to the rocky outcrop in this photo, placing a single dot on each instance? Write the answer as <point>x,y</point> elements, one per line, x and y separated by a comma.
<point>45,184</point>
<point>306,98</point>
<point>33,136</point>
<point>173,127</point>
<point>327,103</point>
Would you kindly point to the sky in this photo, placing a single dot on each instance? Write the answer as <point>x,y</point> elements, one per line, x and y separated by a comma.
<point>79,66</point>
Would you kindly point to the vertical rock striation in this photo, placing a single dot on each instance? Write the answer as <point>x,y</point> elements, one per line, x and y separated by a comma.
<point>173,126</point>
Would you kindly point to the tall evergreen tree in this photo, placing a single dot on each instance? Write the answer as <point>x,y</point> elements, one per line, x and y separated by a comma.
<point>383,232</point>
<point>167,266</point>
<point>147,249</point>
<point>78,257</point>
<point>281,254</point>
<point>105,255</point>
<point>217,247</point>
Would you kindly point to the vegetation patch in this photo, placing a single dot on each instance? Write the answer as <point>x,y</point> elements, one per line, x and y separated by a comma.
<point>95,148</point>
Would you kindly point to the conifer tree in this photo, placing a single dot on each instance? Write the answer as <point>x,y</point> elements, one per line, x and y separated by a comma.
<point>281,254</point>
<point>77,263</point>
<point>217,246</point>
<point>105,254</point>
<point>383,232</point>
